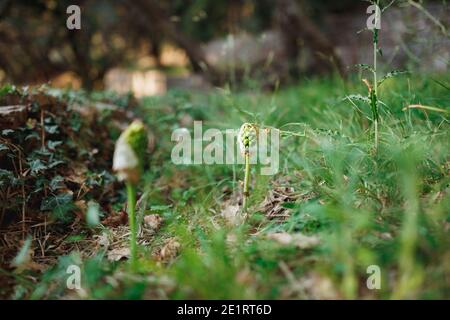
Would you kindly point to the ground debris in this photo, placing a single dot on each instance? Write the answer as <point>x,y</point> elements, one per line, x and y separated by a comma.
<point>153,222</point>
<point>232,214</point>
<point>118,254</point>
<point>299,240</point>
<point>168,251</point>
<point>12,117</point>
<point>281,192</point>
<point>312,285</point>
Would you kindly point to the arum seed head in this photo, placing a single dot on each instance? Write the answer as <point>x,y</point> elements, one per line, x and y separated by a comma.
<point>129,153</point>
<point>247,136</point>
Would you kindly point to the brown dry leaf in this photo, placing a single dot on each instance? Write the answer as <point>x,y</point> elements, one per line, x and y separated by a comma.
<point>116,219</point>
<point>273,202</point>
<point>103,239</point>
<point>170,249</point>
<point>280,193</point>
<point>231,214</point>
<point>299,240</point>
<point>12,117</point>
<point>24,259</point>
<point>153,221</point>
<point>319,287</point>
<point>81,204</point>
<point>78,174</point>
<point>118,254</point>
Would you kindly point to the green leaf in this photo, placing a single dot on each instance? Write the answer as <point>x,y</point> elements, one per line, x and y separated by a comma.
<point>55,163</point>
<point>53,144</point>
<point>160,208</point>
<point>51,129</point>
<point>23,255</point>
<point>93,214</point>
<point>75,238</point>
<point>443,85</point>
<point>7,132</point>
<point>37,165</point>
<point>33,135</point>
<point>56,183</point>
<point>75,122</point>
<point>59,205</point>
<point>3,147</point>
<point>289,205</point>
<point>6,177</point>
<point>7,89</point>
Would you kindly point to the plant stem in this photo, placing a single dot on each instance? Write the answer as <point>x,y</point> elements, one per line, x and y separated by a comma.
<point>375,83</point>
<point>375,125</point>
<point>131,195</point>
<point>246,180</point>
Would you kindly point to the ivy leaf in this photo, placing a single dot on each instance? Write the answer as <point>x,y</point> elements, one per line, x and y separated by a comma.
<point>51,129</point>
<point>56,183</point>
<point>53,144</point>
<point>7,132</point>
<point>3,147</point>
<point>55,163</point>
<point>75,122</point>
<point>33,135</point>
<point>37,165</point>
<point>6,177</point>
<point>59,205</point>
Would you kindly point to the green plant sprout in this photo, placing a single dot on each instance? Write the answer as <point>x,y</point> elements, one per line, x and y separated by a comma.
<point>247,138</point>
<point>128,163</point>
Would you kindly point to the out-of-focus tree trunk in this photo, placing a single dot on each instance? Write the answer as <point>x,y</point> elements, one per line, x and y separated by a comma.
<point>298,28</point>
<point>153,19</point>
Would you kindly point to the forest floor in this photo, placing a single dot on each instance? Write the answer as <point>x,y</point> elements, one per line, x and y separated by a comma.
<point>336,210</point>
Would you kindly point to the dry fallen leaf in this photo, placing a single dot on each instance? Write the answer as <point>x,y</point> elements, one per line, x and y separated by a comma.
<point>116,219</point>
<point>319,287</point>
<point>231,213</point>
<point>103,239</point>
<point>170,249</point>
<point>153,221</point>
<point>118,254</point>
<point>297,239</point>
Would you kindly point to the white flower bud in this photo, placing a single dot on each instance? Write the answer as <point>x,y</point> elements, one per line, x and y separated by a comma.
<point>125,161</point>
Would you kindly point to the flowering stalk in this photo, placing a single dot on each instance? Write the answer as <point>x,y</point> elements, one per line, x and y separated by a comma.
<point>247,139</point>
<point>128,163</point>
<point>246,180</point>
